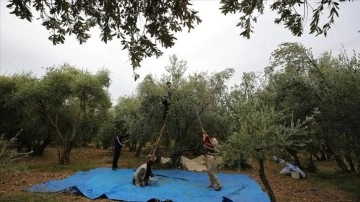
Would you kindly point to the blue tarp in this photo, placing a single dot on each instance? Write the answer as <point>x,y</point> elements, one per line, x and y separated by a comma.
<point>174,185</point>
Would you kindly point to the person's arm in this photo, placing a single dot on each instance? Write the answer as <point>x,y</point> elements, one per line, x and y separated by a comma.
<point>205,135</point>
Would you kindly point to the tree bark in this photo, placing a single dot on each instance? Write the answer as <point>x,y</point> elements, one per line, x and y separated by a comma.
<point>141,145</point>
<point>265,181</point>
<point>338,160</point>
<point>350,161</point>
<point>39,151</point>
<point>293,153</point>
<point>64,153</point>
<point>312,166</point>
<point>316,156</point>
<point>176,159</point>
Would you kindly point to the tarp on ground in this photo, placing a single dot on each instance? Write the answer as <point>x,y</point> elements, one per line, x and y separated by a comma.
<point>174,185</point>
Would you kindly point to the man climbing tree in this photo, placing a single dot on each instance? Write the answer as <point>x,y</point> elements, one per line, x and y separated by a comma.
<point>167,98</point>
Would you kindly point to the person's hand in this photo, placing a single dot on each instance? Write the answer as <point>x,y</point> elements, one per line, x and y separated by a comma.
<point>142,183</point>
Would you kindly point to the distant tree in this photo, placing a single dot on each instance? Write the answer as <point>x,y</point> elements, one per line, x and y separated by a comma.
<point>142,115</point>
<point>339,90</point>
<point>259,133</point>
<point>290,85</point>
<point>141,25</point>
<point>20,114</point>
<point>106,131</point>
<point>300,83</point>
<point>68,97</point>
<point>129,116</point>
<point>11,114</point>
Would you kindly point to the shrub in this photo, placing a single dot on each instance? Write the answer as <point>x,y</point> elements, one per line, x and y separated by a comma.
<point>8,154</point>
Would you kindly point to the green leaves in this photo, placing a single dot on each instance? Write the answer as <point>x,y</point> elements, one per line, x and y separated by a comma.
<point>248,9</point>
<point>145,26</point>
<point>288,11</point>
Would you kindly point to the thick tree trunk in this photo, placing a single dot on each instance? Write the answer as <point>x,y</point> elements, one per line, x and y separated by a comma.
<point>358,162</point>
<point>312,168</point>
<point>324,156</point>
<point>350,161</point>
<point>357,150</point>
<point>158,156</point>
<point>293,153</point>
<point>316,156</point>
<point>24,144</point>
<point>64,153</point>
<point>176,159</point>
<point>357,157</point>
<point>338,160</point>
<point>141,145</point>
<point>265,181</point>
<point>39,151</point>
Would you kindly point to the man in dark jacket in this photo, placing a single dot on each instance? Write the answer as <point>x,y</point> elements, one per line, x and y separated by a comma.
<point>117,145</point>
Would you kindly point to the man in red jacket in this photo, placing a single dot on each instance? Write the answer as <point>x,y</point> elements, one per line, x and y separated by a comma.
<point>210,144</point>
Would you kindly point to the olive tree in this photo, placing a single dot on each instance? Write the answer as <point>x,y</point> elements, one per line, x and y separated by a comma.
<point>259,132</point>
<point>67,97</point>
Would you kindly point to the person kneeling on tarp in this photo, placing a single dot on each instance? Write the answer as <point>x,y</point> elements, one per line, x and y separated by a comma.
<point>142,174</point>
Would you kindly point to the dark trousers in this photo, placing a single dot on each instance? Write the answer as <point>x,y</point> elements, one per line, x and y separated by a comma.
<point>166,104</point>
<point>116,158</point>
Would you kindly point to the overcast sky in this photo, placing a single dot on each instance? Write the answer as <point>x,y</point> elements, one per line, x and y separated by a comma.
<point>213,45</point>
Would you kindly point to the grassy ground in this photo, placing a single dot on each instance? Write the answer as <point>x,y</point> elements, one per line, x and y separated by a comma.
<point>326,185</point>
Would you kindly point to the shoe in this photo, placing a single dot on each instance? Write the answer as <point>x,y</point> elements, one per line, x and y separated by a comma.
<point>212,186</point>
<point>218,188</point>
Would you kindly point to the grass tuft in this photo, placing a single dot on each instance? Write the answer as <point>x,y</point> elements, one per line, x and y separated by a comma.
<point>348,182</point>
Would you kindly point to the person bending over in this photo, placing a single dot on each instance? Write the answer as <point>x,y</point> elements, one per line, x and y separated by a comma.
<point>142,174</point>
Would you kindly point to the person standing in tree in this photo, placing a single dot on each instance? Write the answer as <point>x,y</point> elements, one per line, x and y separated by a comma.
<point>117,145</point>
<point>210,144</point>
<point>167,98</point>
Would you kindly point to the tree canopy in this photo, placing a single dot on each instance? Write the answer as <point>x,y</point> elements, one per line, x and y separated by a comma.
<point>299,108</point>
<point>143,25</point>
